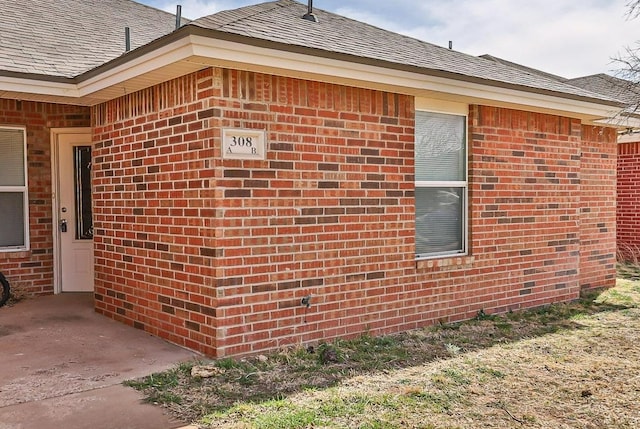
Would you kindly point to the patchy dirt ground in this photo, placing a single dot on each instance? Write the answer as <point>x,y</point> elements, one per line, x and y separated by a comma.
<point>565,366</point>
<point>583,378</point>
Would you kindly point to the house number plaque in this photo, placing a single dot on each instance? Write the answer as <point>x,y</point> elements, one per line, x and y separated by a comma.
<point>243,144</point>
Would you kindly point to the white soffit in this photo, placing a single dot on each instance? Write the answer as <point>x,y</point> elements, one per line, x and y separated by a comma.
<point>194,52</point>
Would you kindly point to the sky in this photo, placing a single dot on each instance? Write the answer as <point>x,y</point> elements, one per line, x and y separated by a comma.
<point>569,38</point>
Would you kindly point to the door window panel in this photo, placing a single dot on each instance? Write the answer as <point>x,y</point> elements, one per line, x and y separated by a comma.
<point>82,179</point>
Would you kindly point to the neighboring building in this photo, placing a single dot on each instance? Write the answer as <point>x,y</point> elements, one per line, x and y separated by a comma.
<point>628,167</point>
<point>628,196</point>
<point>205,183</point>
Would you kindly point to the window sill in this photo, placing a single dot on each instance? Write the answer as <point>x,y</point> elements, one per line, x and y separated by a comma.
<point>446,263</point>
<point>9,253</point>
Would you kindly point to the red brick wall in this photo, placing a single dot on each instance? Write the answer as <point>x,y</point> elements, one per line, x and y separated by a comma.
<point>216,254</point>
<point>628,211</point>
<point>598,207</point>
<point>525,209</point>
<point>32,271</point>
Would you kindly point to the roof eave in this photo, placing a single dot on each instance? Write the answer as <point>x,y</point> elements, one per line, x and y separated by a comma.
<point>268,44</point>
<point>37,87</point>
<point>191,48</point>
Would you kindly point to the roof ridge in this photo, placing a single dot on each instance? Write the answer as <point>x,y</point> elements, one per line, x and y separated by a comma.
<point>157,9</point>
<point>274,4</point>
<point>378,27</point>
<point>523,68</point>
<point>591,75</point>
<point>288,3</point>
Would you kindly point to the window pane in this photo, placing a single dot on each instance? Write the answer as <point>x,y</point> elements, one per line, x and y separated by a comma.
<point>11,158</point>
<point>439,220</point>
<point>12,219</point>
<point>440,147</point>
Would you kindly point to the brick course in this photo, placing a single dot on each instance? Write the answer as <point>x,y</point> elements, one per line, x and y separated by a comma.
<point>32,271</point>
<point>598,207</point>
<point>628,215</point>
<point>217,254</point>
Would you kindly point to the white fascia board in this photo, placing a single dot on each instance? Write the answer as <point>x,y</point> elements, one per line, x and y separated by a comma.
<point>411,82</point>
<point>34,86</point>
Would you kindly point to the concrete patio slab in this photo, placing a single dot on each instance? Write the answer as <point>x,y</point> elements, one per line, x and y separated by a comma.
<point>113,407</point>
<point>63,364</point>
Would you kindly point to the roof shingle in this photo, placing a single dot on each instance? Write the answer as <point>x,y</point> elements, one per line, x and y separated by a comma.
<point>65,38</point>
<point>281,21</point>
<point>613,87</point>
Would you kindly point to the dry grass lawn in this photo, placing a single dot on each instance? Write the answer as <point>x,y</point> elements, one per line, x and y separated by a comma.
<point>565,366</point>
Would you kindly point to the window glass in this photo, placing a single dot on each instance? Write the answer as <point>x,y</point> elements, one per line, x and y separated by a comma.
<point>13,190</point>
<point>439,220</point>
<point>12,215</point>
<point>440,147</point>
<point>441,187</point>
<point>12,157</point>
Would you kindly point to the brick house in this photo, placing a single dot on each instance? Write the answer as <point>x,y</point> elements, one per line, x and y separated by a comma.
<point>253,179</point>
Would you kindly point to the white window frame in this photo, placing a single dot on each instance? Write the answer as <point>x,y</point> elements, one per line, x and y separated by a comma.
<point>24,189</point>
<point>454,109</point>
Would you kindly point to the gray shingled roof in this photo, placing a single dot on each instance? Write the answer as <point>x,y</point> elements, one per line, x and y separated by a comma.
<point>612,87</point>
<point>281,21</point>
<point>65,38</point>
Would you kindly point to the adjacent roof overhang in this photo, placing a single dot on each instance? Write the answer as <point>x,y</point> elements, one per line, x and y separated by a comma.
<point>628,124</point>
<point>622,120</point>
<point>39,88</point>
<point>193,48</point>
